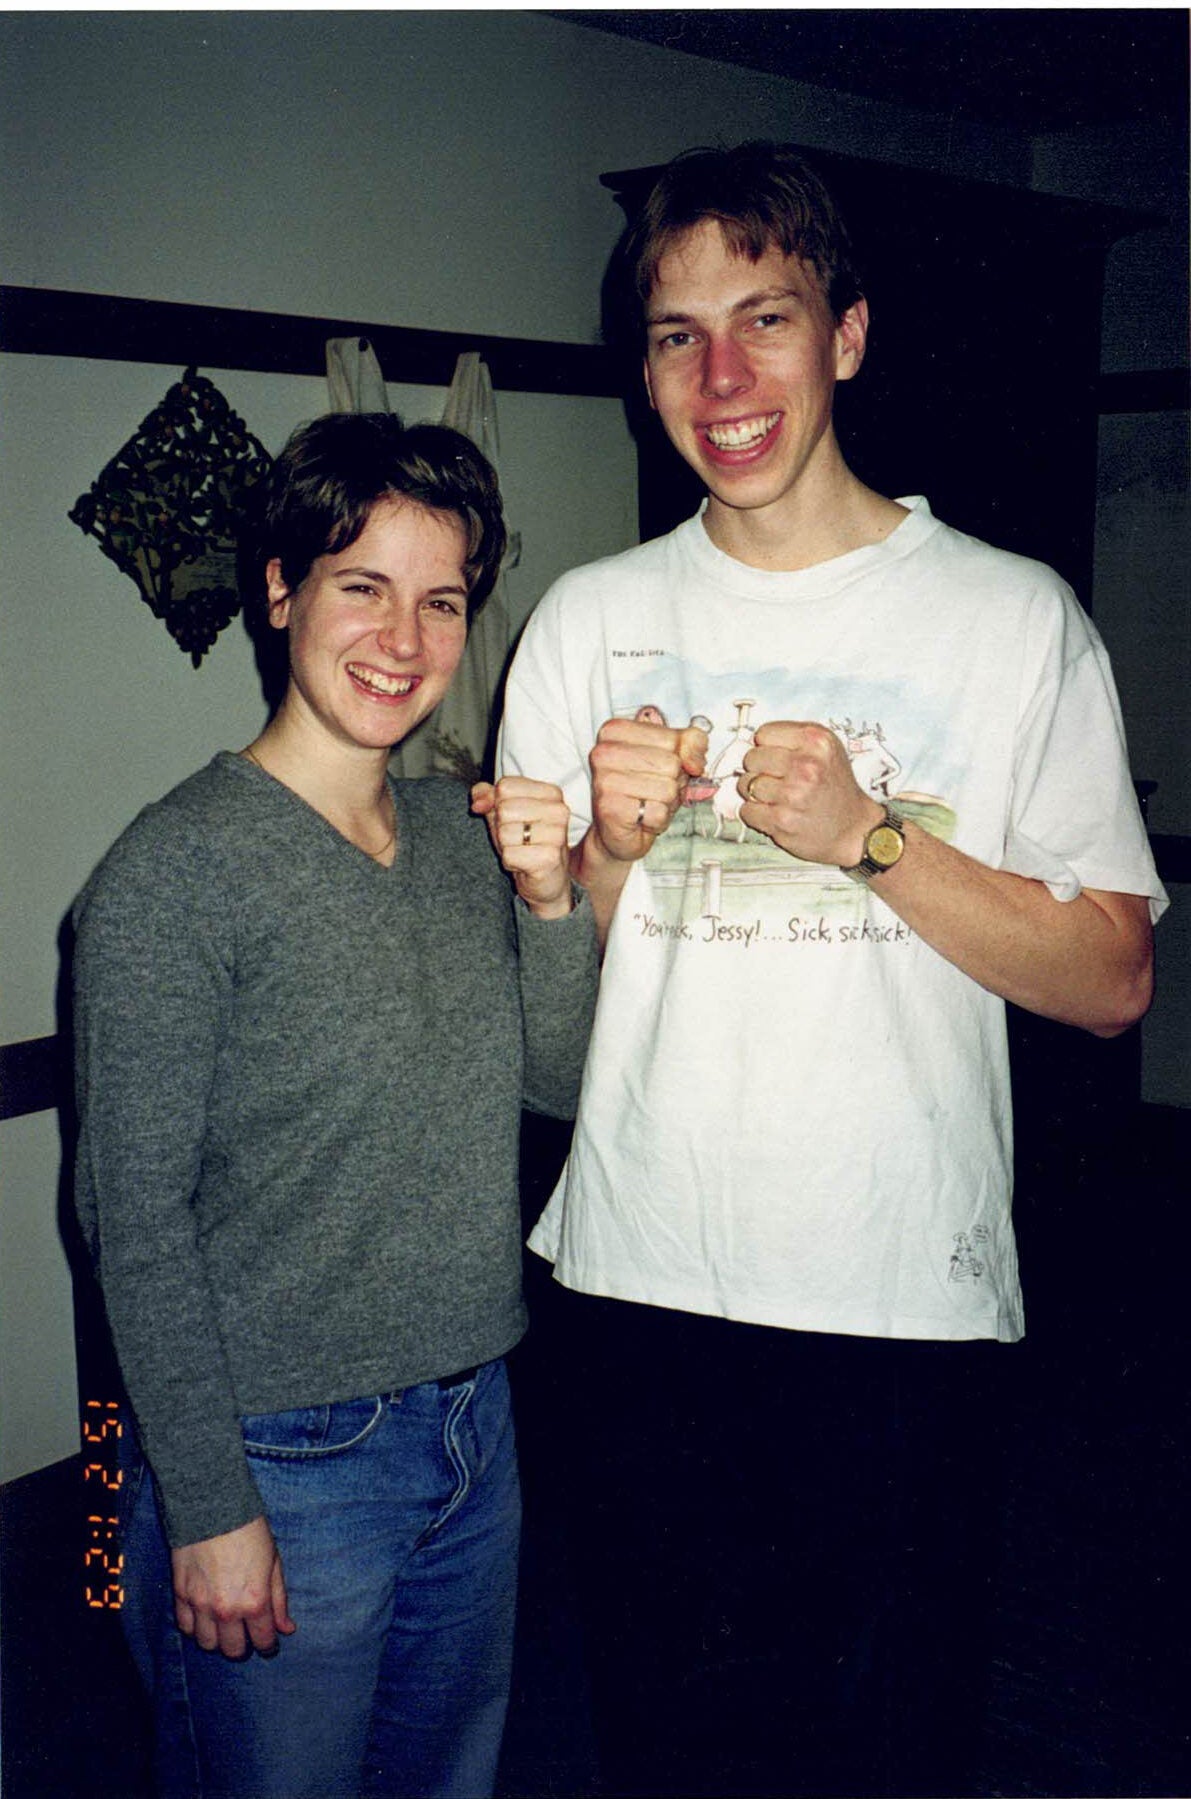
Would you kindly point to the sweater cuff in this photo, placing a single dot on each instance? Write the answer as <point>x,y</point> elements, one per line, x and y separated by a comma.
<point>197,1506</point>
<point>525,917</point>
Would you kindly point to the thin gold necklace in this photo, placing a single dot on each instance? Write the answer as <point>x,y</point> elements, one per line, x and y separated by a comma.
<point>376,855</point>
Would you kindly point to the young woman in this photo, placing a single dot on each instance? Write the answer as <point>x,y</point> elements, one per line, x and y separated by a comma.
<point>309,1007</point>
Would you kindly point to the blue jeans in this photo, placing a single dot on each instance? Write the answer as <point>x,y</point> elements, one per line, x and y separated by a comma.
<point>397,1519</point>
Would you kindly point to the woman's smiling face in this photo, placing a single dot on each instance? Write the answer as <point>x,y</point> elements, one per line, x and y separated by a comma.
<point>376,631</point>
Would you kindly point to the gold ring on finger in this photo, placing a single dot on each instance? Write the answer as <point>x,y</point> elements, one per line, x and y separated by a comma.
<point>749,795</point>
<point>640,815</point>
<point>526,832</point>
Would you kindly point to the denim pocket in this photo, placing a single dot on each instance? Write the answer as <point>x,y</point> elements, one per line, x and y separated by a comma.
<point>311,1432</point>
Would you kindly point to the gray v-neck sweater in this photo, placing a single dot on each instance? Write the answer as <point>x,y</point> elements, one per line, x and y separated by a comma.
<point>299,1080</point>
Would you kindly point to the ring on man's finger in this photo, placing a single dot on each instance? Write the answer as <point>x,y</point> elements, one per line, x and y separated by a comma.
<point>526,832</point>
<point>749,795</point>
<point>640,814</point>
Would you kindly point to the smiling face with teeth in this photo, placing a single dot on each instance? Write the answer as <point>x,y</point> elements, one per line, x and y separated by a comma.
<point>376,630</point>
<point>741,364</point>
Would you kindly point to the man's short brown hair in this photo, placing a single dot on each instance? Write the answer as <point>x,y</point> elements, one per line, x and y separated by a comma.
<point>764,196</point>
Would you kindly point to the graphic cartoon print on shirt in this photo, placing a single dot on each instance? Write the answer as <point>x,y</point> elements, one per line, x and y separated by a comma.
<point>965,1264</point>
<point>709,864</point>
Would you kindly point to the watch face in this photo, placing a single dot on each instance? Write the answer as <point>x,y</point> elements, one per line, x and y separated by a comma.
<point>884,846</point>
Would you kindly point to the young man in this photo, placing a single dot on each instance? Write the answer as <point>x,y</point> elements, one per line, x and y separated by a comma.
<point>901,799</point>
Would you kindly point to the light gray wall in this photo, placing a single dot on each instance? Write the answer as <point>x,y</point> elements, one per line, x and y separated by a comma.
<point>419,168</point>
<point>425,168</point>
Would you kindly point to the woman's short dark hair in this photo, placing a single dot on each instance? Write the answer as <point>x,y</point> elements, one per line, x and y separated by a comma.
<point>323,487</point>
<point>764,196</point>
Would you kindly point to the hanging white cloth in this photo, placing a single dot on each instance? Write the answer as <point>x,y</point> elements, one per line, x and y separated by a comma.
<point>354,379</point>
<point>457,739</point>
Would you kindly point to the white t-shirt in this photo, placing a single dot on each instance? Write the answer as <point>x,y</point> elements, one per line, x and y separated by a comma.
<point>795,1112</point>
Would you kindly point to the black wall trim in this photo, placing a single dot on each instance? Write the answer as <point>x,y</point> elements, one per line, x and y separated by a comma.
<point>1149,390</point>
<point>113,328</point>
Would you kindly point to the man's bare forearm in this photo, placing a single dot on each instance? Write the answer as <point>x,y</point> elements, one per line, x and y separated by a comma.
<point>1086,962</point>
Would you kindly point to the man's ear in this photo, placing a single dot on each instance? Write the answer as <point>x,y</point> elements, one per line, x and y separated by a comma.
<point>851,336</point>
<point>277,594</point>
<point>648,382</point>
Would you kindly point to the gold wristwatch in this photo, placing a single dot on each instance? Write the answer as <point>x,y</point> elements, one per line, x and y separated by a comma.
<point>883,847</point>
